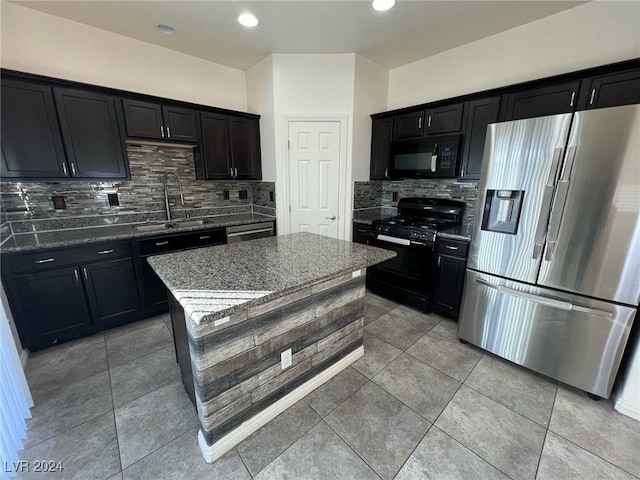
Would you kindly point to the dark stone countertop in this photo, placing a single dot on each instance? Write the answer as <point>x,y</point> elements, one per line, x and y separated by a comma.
<point>461,232</point>
<point>366,216</point>
<point>22,242</point>
<point>213,282</point>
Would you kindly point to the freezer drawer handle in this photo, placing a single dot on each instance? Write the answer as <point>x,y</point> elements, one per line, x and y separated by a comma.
<point>398,241</point>
<point>547,197</point>
<point>549,302</point>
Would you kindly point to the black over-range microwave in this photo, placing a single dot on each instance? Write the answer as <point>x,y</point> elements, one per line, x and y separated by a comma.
<point>435,157</point>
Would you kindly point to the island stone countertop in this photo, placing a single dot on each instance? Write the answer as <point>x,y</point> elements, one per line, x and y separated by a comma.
<point>258,325</point>
<point>22,242</point>
<point>214,282</point>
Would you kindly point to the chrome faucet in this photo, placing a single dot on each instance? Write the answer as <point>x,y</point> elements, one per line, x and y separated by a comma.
<point>166,192</point>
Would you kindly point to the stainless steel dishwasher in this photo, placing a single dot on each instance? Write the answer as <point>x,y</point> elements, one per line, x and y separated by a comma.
<point>242,233</point>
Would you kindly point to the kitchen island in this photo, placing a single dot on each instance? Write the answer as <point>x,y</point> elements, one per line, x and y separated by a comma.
<point>238,310</point>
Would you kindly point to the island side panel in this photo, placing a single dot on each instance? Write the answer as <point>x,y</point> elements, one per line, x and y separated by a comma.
<point>181,344</point>
<point>237,365</point>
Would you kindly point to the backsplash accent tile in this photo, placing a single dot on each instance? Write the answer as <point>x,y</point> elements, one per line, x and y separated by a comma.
<point>262,193</point>
<point>380,193</point>
<point>27,204</point>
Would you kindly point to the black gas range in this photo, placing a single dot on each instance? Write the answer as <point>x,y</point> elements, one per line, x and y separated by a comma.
<point>409,277</point>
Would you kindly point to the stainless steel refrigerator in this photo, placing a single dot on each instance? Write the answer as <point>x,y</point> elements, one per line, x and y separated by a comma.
<point>553,277</point>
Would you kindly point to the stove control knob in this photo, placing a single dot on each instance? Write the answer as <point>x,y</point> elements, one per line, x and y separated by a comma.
<point>424,235</point>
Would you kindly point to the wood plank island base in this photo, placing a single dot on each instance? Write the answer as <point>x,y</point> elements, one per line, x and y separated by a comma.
<point>237,310</point>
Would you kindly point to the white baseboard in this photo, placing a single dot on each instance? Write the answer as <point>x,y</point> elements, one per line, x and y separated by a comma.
<point>212,452</point>
<point>627,409</point>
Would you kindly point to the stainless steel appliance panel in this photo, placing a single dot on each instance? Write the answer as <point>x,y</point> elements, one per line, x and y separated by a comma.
<point>520,156</point>
<point>576,340</point>
<point>243,233</point>
<point>593,241</point>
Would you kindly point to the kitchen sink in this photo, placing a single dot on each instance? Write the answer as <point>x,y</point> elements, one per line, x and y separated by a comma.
<point>152,227</point>
<point>187,223</point>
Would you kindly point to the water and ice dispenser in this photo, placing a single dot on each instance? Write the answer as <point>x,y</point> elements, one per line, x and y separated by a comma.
<point>502,211</point>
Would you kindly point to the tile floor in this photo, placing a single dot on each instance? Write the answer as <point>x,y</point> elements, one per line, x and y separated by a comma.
<point>419,404</point>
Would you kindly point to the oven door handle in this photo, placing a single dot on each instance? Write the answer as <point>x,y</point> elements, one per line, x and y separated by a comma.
<point>397,241</point>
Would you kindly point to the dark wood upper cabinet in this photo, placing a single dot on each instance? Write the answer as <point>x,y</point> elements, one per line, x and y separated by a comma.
<point>143,119</point>
<point>446,119</point>
<point>540,102</point>
<point>160,122</point>
<point>614,90</point>
<point>230,148</point>
<point>381,137</point>
<point>244,134</point>
<point>30,136</point>
<point>409,125</point>
<point>480,113</point>
<point>216,153</point>
<point>180,124</point>
<point>91,135</point>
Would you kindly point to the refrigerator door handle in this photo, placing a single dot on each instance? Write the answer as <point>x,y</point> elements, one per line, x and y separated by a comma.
<point>547,197</point>
<point>558,203</point>
<point>548,302</point>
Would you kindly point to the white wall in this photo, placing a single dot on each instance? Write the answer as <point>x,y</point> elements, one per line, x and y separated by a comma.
<point>40,43</point>
<point>259,81</point>
<point>312,84</point>
<point>370,96</point>
<point>593,34</point>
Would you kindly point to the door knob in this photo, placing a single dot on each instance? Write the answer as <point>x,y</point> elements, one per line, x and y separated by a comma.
<point>332,217</point>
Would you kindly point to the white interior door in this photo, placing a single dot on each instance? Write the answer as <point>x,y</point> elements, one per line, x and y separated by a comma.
<point>314,176</point>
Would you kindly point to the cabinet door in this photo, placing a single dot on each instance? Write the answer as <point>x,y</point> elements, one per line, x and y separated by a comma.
<point>143,119</point>
<point>31,141</point>
<point>245,148</point>
<point>381,137</point>
<point>409,125</point>
<point>449,285</point>
<point>361,233</point>
<point>91,134</point>
<point>447,119</point>
<point>153,290</point>
<point>112,292</point>
<point>542,101</point>
<point>216,156</point>
<point>480,113</point>
<point>614,90</point>
<point>54,306</point>
<point>180,124</point>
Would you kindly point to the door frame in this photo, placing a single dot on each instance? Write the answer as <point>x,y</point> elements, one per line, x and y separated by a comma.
<point>282,183</point>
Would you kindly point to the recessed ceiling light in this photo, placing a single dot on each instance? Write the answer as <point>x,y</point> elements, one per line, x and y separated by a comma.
<point>168,29</point>
<point>382,5</point>
<point>248,20</point>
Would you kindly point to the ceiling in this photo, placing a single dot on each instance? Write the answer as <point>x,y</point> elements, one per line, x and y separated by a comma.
<point>208,29</point>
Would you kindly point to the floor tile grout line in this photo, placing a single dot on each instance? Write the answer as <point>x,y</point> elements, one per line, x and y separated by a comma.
<point>113,407</point>
<point>320,419</point>
<point>431,425</point>
<point>235,449</point>
<point>141,356</point>
<point>546,433</point>
<point>340,404</point>
<point>436,368</point>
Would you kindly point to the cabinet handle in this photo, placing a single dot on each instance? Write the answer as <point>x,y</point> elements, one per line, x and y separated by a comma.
<point>429,124</point>
<point>75,272</point>
<point>386,173</point>
<point>86,274</point>
<point>593,95</point>
<point>73,169</point>
<point>105,252</point>
<point>231,172</point>
<point>451,248</point>
<point>236,172</point>
<point>64,169</point>
<point>159,244</point>
<point>420,122</point>
<point>205,237</point>
<point>46,260</point>
<point>168,132</point>
<point>162,131</point>
<point>573,97</point>
<point>439,258</point>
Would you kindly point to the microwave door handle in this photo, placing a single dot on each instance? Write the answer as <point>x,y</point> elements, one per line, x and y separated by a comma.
<point>434,159</point>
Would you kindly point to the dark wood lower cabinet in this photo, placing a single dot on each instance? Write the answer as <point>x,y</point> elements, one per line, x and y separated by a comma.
<point>452,261</point>
<point>154,292</point>
<point>112,292</point>
<point>52,307</point>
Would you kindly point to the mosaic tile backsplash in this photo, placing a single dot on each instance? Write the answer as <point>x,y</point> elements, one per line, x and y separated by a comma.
<point>143,194</point>
<point>380,193</point>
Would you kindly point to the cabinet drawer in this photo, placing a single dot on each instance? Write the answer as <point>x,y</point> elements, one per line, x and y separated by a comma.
<point>156,245</point>
<point>453,248</point>
<point>361,232</point>
<point>204,238</point>
<point>35,261</point>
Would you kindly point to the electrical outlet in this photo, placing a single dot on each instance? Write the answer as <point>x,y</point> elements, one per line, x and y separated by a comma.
<point>286,359</point>
<point>394,196</point>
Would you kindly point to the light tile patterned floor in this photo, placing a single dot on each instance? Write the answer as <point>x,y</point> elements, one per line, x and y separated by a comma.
<point>418,405</point>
